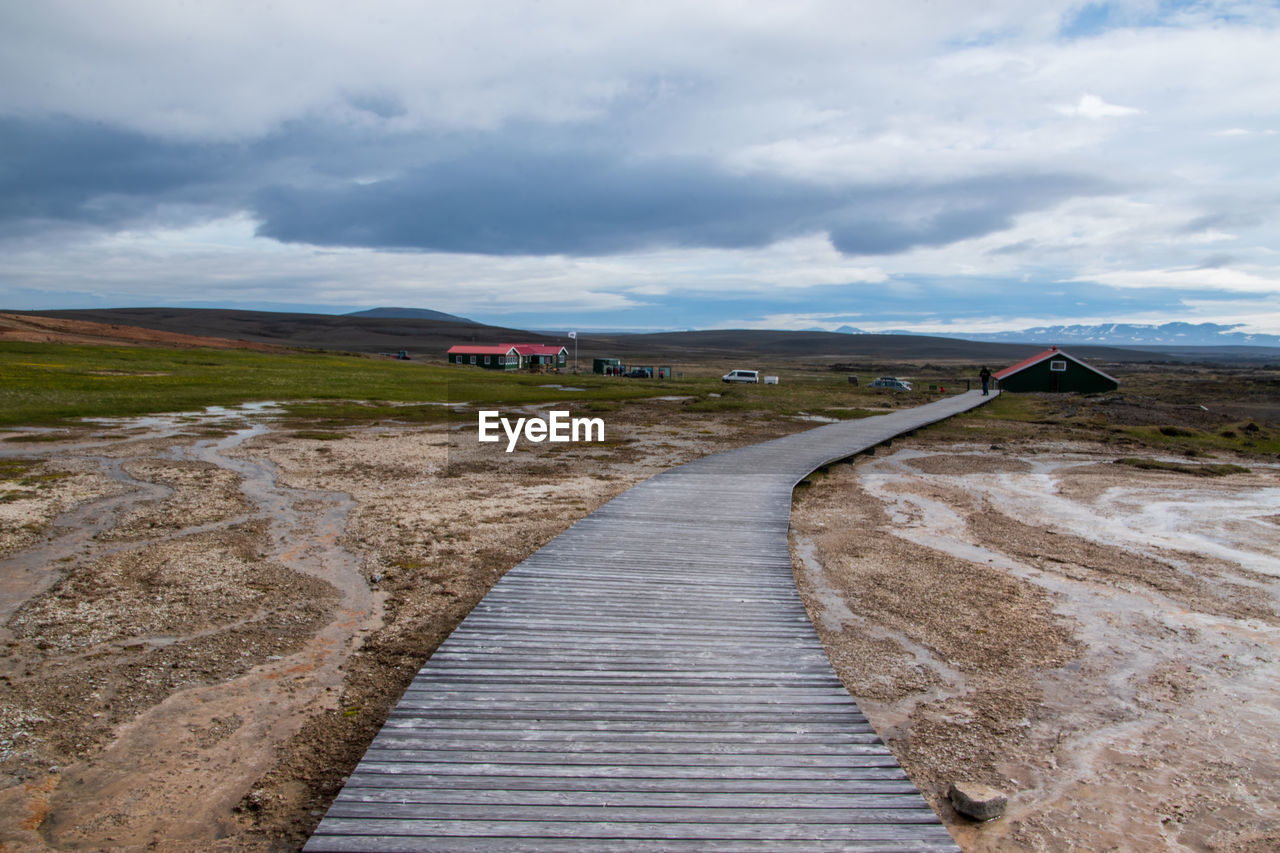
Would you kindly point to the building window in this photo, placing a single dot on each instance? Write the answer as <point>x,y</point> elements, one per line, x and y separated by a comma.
<point>473,359</point>
<point>1058,366</point>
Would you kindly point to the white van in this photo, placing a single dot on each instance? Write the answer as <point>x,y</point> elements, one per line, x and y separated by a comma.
<point>741,376</point>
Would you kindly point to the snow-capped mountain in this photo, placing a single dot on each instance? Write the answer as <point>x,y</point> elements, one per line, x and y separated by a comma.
<point>1118,334</point>
<point>1131,334</point>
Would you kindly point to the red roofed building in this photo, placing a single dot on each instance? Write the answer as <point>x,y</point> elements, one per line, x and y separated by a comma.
<point>491,356</point>
<point>541,355</point>
<point>1054,370</point>
<point>509,356</point>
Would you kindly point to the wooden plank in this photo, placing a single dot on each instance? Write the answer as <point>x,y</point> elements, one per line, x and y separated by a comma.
<point>871,767</point>
<point>619,799</point>
<point>623,729</point>
<point>480,786</point>
<point>721,831</point>
<point>882,780</point>
<point>698,813</point>
<point>710,714</point>
<point>725,691</point>
<point>591,739</point>
<point>649,680</point>
<point>532,844</point>
<point>848,756</point>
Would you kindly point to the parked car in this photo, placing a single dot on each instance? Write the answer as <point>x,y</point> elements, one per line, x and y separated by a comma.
<point>638,373</point>
<point>891,382</point>
<point>741,376</point>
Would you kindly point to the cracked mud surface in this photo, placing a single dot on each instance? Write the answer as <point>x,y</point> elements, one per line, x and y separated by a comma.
<point>206,618</point>
<point>1102,643</point>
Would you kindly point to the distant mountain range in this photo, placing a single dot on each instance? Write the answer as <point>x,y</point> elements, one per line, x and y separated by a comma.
<point>1107,334</point>
<point>1112,334</point>
<point>410,314</point>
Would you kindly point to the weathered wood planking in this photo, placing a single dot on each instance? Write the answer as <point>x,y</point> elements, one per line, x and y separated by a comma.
<point>649,680</point>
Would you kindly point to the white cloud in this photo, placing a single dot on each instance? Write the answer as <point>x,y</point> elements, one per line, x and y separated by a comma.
<point>223,260</point>
<point>790,264</point>
<point>1094,107</point>
<point>224,257</point>
<point>1192,278</point>
<point>1259,315</point>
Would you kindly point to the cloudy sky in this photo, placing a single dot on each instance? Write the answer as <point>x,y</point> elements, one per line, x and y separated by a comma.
<point>660,164</point>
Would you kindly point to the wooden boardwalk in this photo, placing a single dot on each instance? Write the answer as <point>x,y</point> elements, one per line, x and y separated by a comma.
<point>649,680</point>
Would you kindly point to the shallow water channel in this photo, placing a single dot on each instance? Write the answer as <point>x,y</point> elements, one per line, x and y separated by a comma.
<point>1161,734</point>
<point>163,768</point>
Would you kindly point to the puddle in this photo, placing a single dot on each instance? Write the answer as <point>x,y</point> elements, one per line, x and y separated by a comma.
<point>1220,520</point>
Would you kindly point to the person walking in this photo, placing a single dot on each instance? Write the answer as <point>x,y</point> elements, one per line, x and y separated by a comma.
<point>985,375</point>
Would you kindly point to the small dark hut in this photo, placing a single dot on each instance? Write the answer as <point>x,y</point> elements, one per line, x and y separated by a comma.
<point>1054,370</point>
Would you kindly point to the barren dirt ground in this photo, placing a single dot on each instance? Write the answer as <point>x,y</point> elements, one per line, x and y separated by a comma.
<point>1102,643</point>
<point>19,327</point>
<point>204,619</point>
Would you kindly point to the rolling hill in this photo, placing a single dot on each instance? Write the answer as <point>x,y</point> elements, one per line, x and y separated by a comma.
<point>410,314</point>
<point>420,336</point>
<point>430,336</point>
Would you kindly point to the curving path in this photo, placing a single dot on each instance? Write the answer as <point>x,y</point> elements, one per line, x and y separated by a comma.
<point>648,680</point>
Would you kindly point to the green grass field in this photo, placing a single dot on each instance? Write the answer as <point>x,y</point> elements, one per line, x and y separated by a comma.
<point>51,383</point>
<point>44,384</point>
<point>1068,416</point>
<point>54,384</point>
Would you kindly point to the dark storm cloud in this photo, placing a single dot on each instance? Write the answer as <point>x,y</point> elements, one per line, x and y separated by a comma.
<point>887,219</point>
<point>84,172</point>
<point>512,193</point>
<point>508,202</point>
<point>511,202</point>
<point>379,104</point>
